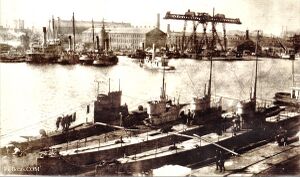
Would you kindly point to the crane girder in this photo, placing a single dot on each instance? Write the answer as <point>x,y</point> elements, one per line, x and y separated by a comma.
<point>202,18</point>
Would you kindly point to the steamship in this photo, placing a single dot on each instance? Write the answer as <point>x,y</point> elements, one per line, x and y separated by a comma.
<point>70,56</point>
<point>154,62</point>
<point>104,57</point>
<point>48,52</point>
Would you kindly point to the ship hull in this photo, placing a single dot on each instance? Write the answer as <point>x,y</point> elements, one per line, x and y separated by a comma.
<point>284,99</point>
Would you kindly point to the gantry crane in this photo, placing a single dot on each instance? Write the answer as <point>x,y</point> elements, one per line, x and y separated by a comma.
<point>204,19</point>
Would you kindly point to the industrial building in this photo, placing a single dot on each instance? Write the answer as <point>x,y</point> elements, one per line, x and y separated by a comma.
<point>127,38</point>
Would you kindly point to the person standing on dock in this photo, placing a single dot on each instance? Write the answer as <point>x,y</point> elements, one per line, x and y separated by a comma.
<point>217,159</point>
<point>121,119</point>
<point>221,162</point>
<point>189,117</point>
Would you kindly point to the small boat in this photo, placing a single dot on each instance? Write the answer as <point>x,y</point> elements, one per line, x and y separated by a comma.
<point>155,62</point>
<point>288,56</point>
<point>105,59</point>
<point>138,54</point>
<point>86,59</point>
<point>68,58</point>
<point>290,99</point>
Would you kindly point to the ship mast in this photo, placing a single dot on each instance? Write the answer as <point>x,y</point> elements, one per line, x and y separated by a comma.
<point>293,74</point>
<point>73,26</point>
<point>163,91</point>
<point>212,50</point>
<point>93,31</point>
<point>255,79</point>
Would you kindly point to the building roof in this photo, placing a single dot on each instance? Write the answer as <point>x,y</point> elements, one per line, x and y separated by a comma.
<point>128,30</point>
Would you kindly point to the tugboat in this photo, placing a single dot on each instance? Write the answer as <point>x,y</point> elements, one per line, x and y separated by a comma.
<point>105,57</point>
<point>70,56</point>
<point>87,58</point>
<point>156,63</point>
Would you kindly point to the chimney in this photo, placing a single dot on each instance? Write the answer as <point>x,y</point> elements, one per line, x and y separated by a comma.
<point>247,34</point>
<point>158,21</point>
<point>168,28</point>
<point>45,37</point>
<point>70,43</point>
<point>97,43</point>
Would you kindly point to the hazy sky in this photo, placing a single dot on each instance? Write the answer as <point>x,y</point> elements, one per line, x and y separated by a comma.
<point>266,15</point>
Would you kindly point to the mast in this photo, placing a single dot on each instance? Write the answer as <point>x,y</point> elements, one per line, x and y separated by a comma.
<point>58,27</point>
<point>163,90</point>
<point>212,50</point>
<point>93,31</point>
<point>293,74</point>
<point>73,26</point>
<point>255,79</point>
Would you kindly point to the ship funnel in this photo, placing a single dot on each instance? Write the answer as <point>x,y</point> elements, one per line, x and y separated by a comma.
<point>97,43</point>
<point>45,36</point>
<point>70,43</point>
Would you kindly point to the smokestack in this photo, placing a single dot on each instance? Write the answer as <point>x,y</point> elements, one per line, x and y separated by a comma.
<point>45,37</point>
<point>53,28</point>
<point>247,34</point>
<point>97,43</point>
<point>158,21</point>
<point>70,43</point>
<point>168,28</point>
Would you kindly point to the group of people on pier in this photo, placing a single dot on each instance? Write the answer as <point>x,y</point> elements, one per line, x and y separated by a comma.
<point>65,121</point>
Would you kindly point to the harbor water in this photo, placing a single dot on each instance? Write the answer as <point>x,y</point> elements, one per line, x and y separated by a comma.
<point>33,96</point>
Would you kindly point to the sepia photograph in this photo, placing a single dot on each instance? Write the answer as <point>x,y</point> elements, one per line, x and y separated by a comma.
<point>149,88</point>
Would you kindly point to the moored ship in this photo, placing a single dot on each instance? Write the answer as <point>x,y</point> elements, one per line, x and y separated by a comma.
<point>104,56</point>
<point>154,62</point>
<point>48,52</point>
